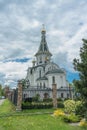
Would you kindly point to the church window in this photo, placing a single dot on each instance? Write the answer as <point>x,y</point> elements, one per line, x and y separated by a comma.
<point>40,60</point>
<point>24,95</point>
<point>45,61</point>
<point>62,95</point>
<point>41,48</point>
<point>46,95</point>
<point>45,47</point>
<point>44,85</point>
<point>40,85</point>
<point>67,95</point>
<point>53,79</point>
<point>31,71</point>
<point>40,73</point>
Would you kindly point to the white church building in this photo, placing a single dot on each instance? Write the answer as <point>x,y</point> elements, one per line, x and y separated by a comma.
<point>43,73</point>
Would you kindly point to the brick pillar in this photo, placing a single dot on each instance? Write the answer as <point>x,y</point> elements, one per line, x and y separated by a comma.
<point>19,99</point>
<point>54,93</point>
<point>6,91</point>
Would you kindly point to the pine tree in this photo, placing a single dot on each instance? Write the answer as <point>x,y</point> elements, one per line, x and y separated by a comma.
<point>80,65</point>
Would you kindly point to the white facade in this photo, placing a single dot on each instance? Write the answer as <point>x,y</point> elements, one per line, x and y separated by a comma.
<point>44,72</point>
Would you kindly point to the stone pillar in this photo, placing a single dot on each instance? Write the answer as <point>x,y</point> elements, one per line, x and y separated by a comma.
<point>54,93</point>
<point>6,91</point>
<point>19,99</point>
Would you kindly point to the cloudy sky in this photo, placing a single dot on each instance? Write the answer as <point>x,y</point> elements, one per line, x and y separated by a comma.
<point>20,33</point>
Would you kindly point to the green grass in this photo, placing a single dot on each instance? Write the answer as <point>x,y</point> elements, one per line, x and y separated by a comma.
<point>35,122</point>
<point>7,107</point>
<point>38,110</point>
<point>31,122</point>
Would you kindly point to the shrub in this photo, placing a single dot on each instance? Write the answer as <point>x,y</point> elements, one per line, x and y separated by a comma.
<point>59,99</point>
<point>58,113</point>
<point>72,118</point>
<point>69,106</point>
<point>35,105</point>
<point>36,98</point>
<point>80,110</point>
<point>47,100</point>
<point>28,100</point>
<point>60,105</point>
<point>83,123</point>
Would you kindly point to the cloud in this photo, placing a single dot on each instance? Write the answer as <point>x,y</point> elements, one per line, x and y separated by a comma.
<point>20,33</point>
<point>11,71</point>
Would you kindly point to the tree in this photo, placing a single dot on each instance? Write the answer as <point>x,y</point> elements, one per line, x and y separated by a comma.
<point>25,83</point>
<point>1,91</point>
<point>80,65</point>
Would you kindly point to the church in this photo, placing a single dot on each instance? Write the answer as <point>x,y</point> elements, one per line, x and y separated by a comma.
<point>43,73</point>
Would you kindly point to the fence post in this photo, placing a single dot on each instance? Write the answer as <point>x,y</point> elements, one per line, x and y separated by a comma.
<point>19,98</point>
<point>54,93</point>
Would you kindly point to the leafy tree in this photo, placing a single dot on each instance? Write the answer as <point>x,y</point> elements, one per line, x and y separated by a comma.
<point>80,65</point>
<point>36,98</point>
<point>25,83</point>
<point>1,91</point>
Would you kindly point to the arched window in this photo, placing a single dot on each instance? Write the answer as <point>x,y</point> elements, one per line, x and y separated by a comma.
<point>53,79</point>
<point>46,95</point>
<point>40,73</point>
<point>62,95</point>
<point>40,85</point>
<point>40,59</point>
<point>67,95</point>
<point>44,85</point>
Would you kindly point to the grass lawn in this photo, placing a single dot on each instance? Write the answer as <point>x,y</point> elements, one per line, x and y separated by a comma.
<point>31,122</point>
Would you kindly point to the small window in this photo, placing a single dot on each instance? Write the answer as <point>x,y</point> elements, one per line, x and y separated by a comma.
<point>40,85</point>
<point>62,95</point>
<point>40,60</point>
<point>40,73</point>
<point>31,71</point>
<point>53,80</point>
<point>67,95</point>
<point>44,85</point>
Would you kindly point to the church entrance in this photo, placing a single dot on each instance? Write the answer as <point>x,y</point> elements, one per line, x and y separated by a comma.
<point>46,95</point>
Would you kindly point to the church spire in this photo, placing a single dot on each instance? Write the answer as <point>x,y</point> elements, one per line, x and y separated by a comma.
<point>43,28</point>
<point>43,50</point>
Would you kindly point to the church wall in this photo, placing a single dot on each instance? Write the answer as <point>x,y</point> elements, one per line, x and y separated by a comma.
<point>59,80</point>
<point>50,70</point>
<point>41,83</point>
<point>60,93</point>
<point>64,81</point>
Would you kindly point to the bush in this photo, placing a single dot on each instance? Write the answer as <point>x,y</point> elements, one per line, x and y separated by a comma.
<point>28,100</point>
<point>58,113</point>
<point>60,105</point>
<point>83,123</point>
<point>35,105</point>
<point>59,99</point>
<point>80,110</point>
<point>72,118</point>
<point>36,98</point>
<point>47,100</point>
<point>69,106</point>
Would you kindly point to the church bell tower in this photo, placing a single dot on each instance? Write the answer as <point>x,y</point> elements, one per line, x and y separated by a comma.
<point>43,54</point>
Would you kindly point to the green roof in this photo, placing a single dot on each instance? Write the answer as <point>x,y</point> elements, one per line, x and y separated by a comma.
<point>42,78</point>
<point>55,71</point>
